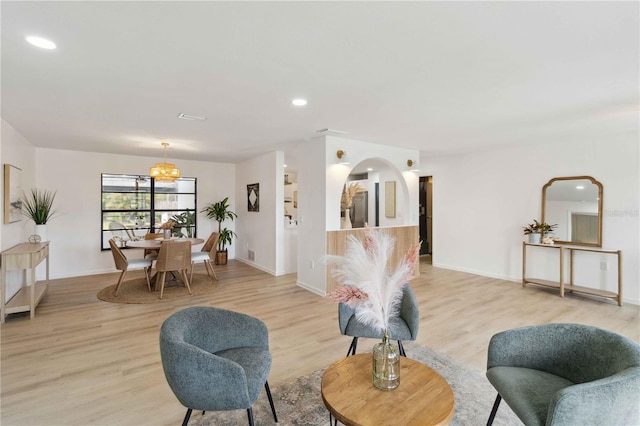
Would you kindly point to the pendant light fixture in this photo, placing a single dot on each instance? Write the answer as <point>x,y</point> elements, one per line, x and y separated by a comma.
<point>164,172</point>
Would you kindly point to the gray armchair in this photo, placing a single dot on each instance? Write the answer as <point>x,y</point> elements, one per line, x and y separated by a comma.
<point>216,360</point>
<point>566,374</point>
<point>402,327</point>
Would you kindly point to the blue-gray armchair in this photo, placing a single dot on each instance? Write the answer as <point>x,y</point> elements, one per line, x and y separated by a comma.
<point>216,360</point>
<point>402,327</point>
<point>566,374</point>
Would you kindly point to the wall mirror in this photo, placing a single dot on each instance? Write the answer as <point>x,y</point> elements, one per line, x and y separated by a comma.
<point>574,203</point>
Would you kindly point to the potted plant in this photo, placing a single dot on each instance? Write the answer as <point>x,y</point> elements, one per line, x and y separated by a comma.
<point>537,230</point>
<point>183,224</point>
<point>38,206</point>
<point>220,212</point>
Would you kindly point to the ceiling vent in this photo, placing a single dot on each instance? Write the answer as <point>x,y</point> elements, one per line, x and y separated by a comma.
<point>331,132</point>
<point>191,117</point>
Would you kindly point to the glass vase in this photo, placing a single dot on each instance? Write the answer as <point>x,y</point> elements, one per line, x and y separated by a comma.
<point>386,365</point>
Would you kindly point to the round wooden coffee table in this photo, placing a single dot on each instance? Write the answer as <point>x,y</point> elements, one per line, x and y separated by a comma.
<point>423,398</point>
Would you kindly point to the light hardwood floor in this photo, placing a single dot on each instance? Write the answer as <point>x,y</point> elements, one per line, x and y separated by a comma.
<point>83,361</point>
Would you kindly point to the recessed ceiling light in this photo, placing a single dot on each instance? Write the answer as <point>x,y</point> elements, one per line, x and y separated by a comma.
<point>579,187</point>
<point>41,42</point>
<point>299,102</point>
<point>369,169</point>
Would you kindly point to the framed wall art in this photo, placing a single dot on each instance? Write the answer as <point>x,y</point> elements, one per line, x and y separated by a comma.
<point>253,197</point>
<point>390,198</point>
<point>12,193</point>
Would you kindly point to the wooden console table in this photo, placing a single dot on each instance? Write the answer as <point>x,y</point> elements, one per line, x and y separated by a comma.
<point>571,287</point>
<point>23,257</point>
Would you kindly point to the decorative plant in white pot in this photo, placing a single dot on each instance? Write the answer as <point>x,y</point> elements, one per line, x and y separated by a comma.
<point>38,206</point>
<point>536,231</point>
<point>220,212</point>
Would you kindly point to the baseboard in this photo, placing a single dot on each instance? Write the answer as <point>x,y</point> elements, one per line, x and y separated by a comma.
<point>255,265</point>
<point>481,273</point>
<point>516,280</point>
<point>310,288</point>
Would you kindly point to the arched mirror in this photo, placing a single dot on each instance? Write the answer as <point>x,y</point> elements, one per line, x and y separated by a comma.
<point>574,203</point>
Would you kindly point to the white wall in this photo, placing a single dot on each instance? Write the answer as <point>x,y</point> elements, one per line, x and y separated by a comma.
<point>75,233</point>
<point>263,231</point>
<point>482,200</point>
<point>17,151</point>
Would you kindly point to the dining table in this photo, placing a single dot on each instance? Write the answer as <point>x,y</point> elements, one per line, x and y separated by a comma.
<point>155,244</point>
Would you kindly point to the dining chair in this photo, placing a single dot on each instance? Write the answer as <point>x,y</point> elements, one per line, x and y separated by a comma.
<point>123,264</point>
<point>206,255</point>
<point>151,253</point>
<point>173,256</point>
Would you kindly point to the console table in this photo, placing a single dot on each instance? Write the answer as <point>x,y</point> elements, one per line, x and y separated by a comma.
<point>25,256</point>
<point>571,287</point>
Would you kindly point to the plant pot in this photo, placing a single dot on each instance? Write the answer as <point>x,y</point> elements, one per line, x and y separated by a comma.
<point>534,238</point>
<point>41,231</point>
<point>221,258</point>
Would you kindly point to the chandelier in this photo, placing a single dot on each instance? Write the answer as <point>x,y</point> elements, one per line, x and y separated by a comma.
<point>164,172</point>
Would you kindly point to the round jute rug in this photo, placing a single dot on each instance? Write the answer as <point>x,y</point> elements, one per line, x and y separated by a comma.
<point>136,291</point>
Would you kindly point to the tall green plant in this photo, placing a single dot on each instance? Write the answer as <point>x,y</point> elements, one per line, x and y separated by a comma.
<point>226,237</point>
<point>220,212</point>
<point>184,220</point>
<point>38,206</point>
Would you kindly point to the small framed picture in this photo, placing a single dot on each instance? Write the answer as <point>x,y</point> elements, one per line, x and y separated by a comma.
<point>253,197</point>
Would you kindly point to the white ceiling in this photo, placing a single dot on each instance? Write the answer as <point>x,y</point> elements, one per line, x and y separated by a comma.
<point>439,77</point>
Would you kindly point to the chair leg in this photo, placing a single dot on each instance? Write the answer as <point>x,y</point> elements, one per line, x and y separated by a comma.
<point>250,415</point>
<point>186,417</point>
<point>186,280</point>
<point>147,272</point>
<point>401,349</point>
<point>208,264</point>
<point>273,408</point>
<point>161,278</point>
<point>494,410</point>
<point>120,281</point>
<point>352,348</point>
<point>193,264</point>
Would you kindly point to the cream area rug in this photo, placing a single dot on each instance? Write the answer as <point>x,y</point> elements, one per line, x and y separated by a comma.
<point>136,291</point>
<point>299,402</point>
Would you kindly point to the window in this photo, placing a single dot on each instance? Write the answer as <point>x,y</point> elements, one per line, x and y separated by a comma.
<point>133,205</point>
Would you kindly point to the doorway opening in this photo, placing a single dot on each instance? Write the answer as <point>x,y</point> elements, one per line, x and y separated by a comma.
<point>426,216</point>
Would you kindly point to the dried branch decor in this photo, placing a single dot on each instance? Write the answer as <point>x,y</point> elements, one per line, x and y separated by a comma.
<point>347,195</point>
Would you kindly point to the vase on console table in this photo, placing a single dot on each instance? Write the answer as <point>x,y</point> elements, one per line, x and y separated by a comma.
<point>41,231</point>
<point>534,238</point>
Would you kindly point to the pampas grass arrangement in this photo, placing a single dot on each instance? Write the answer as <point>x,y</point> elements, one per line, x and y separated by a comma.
<point>366,281</point>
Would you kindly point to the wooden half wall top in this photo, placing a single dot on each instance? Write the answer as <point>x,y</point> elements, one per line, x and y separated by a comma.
<point>406,237</point>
